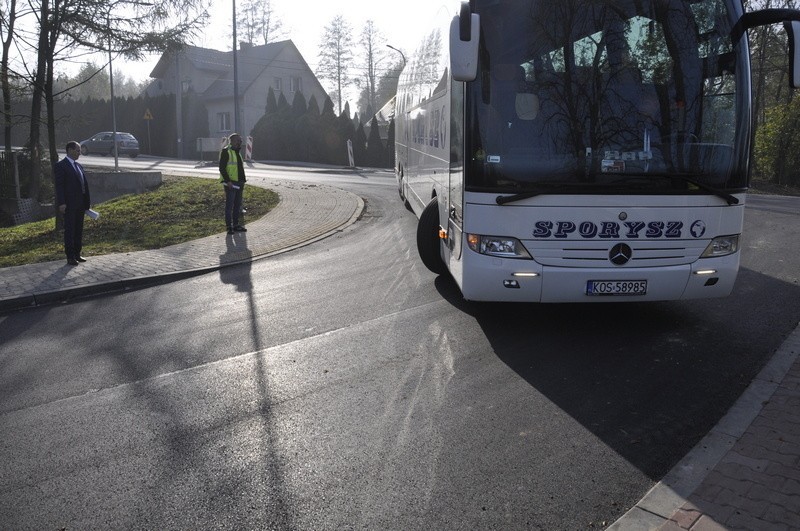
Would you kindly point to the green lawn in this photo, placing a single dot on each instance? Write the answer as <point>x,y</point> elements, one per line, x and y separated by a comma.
<point>181,209</point>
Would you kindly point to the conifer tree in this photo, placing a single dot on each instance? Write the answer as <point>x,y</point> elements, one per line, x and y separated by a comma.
<point>375,149</point>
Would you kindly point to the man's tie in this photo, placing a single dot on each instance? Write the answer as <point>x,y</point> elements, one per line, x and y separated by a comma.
<point>80,175</point>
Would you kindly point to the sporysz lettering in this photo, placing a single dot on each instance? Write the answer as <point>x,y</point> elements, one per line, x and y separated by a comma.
<point>609,230</point>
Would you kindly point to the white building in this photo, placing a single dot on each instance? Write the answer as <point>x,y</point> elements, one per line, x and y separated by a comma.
<point>209,73</point>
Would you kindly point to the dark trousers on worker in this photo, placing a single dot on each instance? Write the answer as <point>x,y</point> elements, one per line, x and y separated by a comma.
<point>73,232</point>
<point>233,204</point>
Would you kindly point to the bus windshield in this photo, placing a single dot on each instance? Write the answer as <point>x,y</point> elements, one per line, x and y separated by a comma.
<point>631,96</point>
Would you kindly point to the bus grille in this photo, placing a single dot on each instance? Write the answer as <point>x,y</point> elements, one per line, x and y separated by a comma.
<point>594,253</point>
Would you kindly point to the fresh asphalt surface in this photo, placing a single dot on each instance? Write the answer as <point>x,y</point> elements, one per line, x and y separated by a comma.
<point>342,385</point>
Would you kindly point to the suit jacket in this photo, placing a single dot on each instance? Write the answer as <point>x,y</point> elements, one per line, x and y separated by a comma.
<point>68,186</point>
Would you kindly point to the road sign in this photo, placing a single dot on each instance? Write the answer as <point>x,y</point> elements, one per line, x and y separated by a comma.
<point>147,115</point>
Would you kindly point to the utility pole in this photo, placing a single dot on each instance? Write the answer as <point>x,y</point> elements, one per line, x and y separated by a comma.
<point>236,124</point>
<point>178,103</point>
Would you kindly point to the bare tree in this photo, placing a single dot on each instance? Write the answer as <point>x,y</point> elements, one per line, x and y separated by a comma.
<point>769,61</point>
<point>336,56</point>
<point>8,20</point>
<point>373,46</point>
<point>261,24</point>
<point>128,28</point>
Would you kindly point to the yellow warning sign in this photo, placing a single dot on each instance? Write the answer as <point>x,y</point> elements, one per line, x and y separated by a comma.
<point>147,115</point>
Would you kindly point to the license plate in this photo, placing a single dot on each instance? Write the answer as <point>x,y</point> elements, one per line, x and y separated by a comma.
<point>616,287</point>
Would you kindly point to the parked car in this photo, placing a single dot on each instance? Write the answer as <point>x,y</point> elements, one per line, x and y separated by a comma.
<point>101,143</point>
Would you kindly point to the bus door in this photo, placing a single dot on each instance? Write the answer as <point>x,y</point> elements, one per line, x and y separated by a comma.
<point>455,215</point>
<point>455,207</point>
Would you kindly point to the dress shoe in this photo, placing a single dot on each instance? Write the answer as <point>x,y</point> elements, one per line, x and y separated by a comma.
<point>230,230</point>
<point>80,259</point>
<point>239,228</point>
<point>72,261</point>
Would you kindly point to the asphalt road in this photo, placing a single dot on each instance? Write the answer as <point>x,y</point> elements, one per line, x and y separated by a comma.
<point>342,385</point>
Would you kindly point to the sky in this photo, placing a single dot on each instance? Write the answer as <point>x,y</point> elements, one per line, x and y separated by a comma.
<point>403,23</point>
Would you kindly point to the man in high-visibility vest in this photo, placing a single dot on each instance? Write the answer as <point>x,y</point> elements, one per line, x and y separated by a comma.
<point>231,171</point>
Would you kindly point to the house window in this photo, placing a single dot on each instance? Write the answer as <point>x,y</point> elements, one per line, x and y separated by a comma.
<point>295,84</point>
<point>278,84</point>
<point>224,120</point>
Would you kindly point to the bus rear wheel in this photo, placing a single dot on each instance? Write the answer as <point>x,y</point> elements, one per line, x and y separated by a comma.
<point>428,244</point>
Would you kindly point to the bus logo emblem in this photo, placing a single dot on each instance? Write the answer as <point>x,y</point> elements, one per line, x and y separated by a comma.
<point>620,254</point>
<point>698,228</point>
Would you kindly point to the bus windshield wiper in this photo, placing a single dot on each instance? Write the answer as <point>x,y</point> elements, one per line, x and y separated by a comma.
<point>544,188</point>
<point>729,198</point>
<point>503,199</point>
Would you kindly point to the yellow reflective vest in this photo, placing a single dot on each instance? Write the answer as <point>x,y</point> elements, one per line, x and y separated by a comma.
<point>233,165</point>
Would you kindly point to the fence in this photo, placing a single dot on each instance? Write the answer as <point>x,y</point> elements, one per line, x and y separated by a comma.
<point>9,175</point>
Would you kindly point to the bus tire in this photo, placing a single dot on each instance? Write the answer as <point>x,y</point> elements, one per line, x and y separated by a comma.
<point>400,184</point>
<point>428,243</point>
<point>401,188</point>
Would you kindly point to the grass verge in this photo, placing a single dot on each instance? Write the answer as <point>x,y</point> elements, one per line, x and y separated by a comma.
<point>181,209</point>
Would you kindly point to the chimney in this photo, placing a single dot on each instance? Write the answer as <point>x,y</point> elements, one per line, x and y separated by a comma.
<point>244,45</point>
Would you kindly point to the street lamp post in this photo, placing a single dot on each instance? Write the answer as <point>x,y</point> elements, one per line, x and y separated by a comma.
<point>113,108</point>
<point>111,79</point>
<point>398,51</point>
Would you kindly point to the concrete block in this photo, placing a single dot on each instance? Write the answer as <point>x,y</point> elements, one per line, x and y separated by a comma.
<point>108,185</point>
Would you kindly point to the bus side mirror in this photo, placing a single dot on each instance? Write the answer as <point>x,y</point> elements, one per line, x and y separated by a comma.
<point>464,40</point>
<point>791,22</point>
<point>793,31</point>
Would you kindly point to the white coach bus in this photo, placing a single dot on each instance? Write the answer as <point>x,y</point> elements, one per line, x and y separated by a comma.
<point>581,150</point>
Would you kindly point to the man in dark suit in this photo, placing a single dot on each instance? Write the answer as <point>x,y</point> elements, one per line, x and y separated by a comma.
<point>72,198</point>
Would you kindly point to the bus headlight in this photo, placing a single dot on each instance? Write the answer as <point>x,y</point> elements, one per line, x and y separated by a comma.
<point>721,246</point>
<point>500,246</point>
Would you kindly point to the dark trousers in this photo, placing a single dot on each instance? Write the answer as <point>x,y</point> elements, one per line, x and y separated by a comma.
<point>233,204</point>
<point>73,232</point>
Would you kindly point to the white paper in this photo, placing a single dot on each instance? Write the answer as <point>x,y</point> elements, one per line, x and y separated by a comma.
<point>93,214</point>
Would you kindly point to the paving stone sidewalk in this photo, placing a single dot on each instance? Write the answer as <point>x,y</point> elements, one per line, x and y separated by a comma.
<point>745,474</point>
<point>305,213</point>
<point>756,485</point>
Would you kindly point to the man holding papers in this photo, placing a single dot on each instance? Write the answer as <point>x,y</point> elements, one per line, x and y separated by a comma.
<point>72,198</point>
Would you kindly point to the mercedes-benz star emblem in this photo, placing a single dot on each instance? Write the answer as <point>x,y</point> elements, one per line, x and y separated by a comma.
<point>620,254</point>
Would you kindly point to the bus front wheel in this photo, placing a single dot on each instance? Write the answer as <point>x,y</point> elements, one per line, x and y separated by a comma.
<point>428,244</point>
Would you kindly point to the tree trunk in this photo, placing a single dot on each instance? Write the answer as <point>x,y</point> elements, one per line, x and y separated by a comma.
<point>52,39</point>
<point>36,105</point>
<point>12,16</point>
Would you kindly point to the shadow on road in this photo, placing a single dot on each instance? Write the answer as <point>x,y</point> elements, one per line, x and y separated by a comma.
<point>240,276</point>
<point>641,376</point>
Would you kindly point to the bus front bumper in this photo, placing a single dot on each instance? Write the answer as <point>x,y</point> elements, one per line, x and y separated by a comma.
<point>487,278</point>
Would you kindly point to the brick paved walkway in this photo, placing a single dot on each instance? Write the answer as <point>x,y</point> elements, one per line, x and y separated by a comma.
<point>745,474</point>
<point>757,484</point>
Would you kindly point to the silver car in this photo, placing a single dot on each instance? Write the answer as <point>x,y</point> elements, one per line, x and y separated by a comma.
<point>102,143</point>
